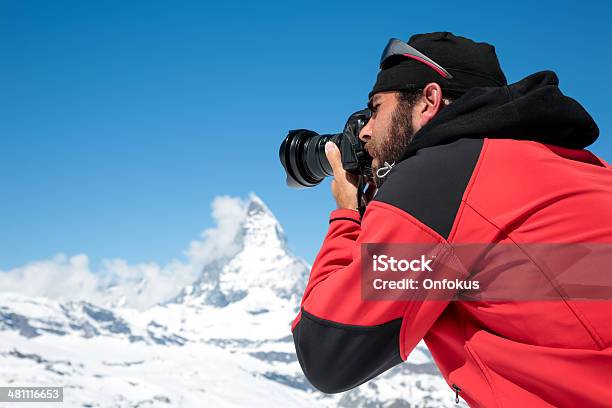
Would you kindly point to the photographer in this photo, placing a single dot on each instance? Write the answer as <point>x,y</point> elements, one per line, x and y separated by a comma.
<point>460,156</point>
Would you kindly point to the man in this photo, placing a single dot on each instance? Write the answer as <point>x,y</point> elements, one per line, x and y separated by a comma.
<point>460,156</point>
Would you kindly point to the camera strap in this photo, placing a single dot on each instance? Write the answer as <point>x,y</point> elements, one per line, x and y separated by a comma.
<point>361,201</point>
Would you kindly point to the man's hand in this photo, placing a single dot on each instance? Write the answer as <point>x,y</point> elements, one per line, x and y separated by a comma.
<point>344,185</point>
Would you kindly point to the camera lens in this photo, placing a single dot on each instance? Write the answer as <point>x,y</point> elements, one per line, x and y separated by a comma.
<point>302,154</point>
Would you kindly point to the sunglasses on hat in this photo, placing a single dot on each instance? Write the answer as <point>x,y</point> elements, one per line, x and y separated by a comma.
<point>397,47</point>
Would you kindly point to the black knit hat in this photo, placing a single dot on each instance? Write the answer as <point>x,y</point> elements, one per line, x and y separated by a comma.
<point>470,63</point>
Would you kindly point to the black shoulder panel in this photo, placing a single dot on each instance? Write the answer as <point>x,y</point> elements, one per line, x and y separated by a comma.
<point>337,357</point>
<point>430,184</point>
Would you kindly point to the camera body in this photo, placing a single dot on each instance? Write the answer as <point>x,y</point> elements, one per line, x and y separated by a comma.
<point>302,153</point>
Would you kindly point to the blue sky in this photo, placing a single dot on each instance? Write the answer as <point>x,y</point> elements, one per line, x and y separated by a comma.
<point>121,121</point>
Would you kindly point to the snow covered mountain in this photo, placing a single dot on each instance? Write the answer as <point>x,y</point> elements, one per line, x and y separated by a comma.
<point>261,262</point>
<point>223,341</point>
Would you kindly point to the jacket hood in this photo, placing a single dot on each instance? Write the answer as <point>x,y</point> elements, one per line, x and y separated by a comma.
<point>533,108</point>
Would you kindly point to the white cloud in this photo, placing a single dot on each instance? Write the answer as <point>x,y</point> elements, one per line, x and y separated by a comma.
<point>216,243</point>
<point>117,282</point>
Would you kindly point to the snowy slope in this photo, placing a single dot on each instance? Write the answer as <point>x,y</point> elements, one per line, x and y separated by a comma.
<point>223,341</point>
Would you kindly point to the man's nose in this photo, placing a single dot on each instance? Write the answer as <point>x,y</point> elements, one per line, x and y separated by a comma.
<point>365,135</point>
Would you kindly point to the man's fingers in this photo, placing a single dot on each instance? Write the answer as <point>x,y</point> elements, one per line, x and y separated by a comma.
<point>333,156</point>
<point>344,185</point>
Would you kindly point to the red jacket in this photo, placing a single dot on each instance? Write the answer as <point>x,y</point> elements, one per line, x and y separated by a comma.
<point>474,182</point>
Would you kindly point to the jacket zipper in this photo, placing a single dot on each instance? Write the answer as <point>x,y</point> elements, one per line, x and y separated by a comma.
<point>457,391</point>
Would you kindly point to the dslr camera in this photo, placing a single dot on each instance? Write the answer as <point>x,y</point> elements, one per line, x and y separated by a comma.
<point>302,153</point>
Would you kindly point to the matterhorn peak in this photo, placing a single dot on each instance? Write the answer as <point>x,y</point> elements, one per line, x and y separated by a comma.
<point>260,227</point>
<point>256,206</point>
<point>262,261</point>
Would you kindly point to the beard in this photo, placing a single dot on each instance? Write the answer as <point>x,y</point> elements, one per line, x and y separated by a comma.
<point>390,148</point>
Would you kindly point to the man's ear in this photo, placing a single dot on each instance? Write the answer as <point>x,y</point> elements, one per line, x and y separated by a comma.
<point>428,106</point>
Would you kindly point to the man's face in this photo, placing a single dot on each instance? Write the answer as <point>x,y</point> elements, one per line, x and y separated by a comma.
<point>388,132</point>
